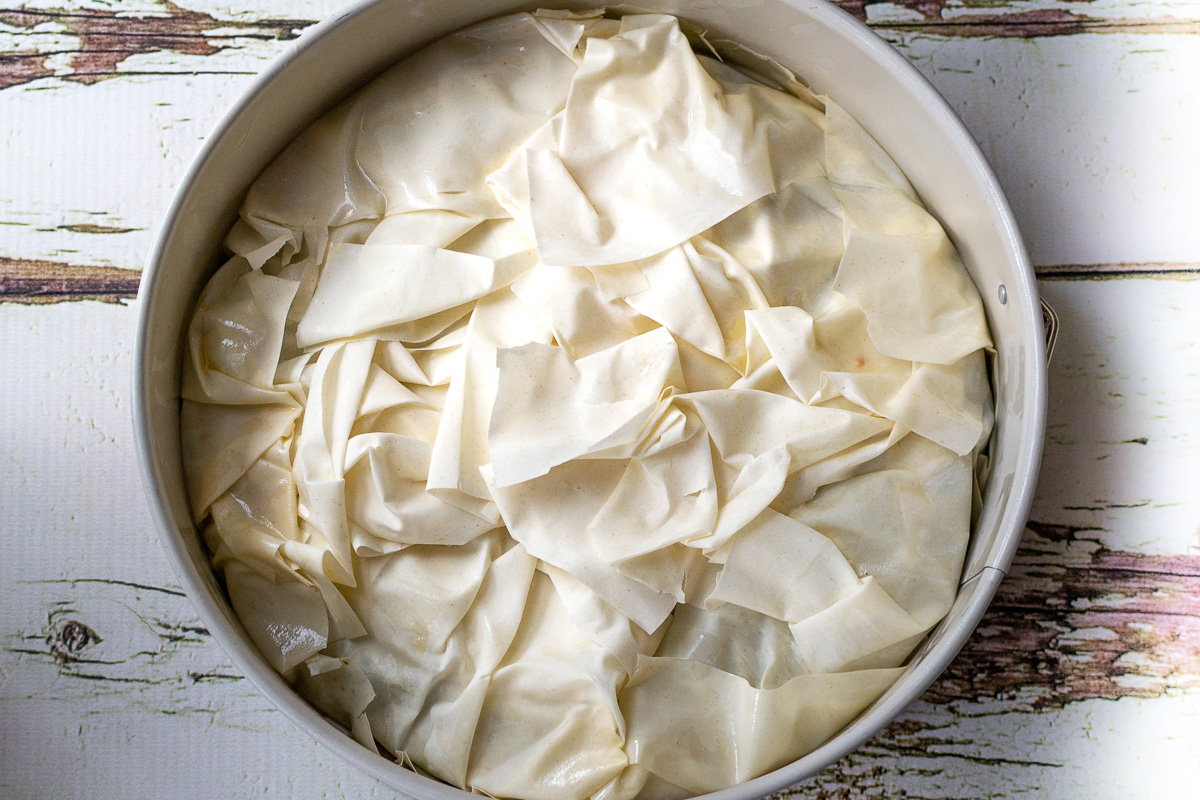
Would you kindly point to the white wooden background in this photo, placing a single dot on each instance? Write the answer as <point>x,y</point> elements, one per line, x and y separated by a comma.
<point>1084,679</point>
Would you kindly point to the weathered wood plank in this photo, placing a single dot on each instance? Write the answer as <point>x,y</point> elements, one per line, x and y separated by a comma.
<point>1090,183</point>
<point>88,45</point>
<point>24,281</point>
<point>1074,620</point>
<point>1128,748</point>
<point>113,689</point>
<point>1086,135</point>
<point>1122,454</point>
<point>1016,19</point>
<point>146,82</point>
<point>106,38</point>
<point>115,641</point>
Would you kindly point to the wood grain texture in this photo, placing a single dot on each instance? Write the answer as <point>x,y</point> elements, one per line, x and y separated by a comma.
<point>1122,453</point>
<point>1022,20</point>
<point>1090,182</point>
<point>25,281</point>
<point>1074,620</point>
<point>123,638</point>
<point>105,39</point>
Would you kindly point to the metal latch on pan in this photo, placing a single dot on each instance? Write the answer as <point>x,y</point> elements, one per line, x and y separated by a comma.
<point>1050,328</point>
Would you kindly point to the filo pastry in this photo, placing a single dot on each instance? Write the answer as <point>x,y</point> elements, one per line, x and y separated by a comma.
<point>579,415</point>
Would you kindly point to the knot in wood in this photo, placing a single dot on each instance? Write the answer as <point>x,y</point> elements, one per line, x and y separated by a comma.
<point>73,636</point>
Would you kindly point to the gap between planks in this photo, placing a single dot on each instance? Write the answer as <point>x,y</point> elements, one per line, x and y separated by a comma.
<point>42,282</point>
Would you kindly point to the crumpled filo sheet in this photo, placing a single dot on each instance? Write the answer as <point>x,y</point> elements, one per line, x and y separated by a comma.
<point>579,416</point>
